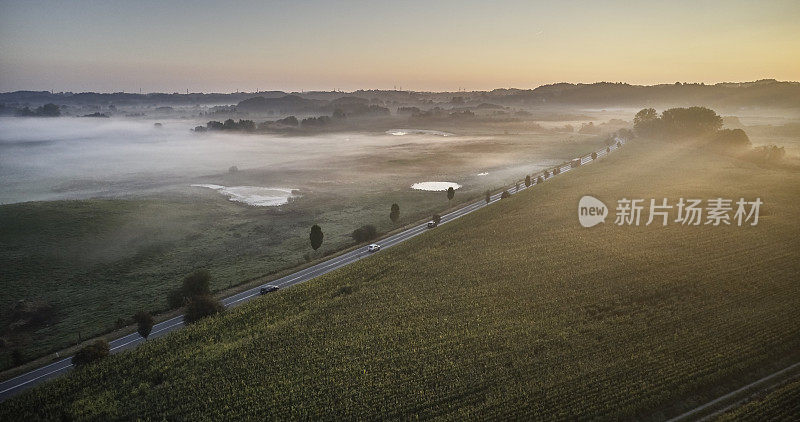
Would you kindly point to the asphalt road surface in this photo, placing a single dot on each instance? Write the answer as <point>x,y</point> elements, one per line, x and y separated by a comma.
<point>17,384</point>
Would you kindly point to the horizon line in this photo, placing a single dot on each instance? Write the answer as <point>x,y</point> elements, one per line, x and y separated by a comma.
<point>53,92</point>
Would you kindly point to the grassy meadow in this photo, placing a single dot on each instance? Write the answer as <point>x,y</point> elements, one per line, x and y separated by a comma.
<point>511,312</point>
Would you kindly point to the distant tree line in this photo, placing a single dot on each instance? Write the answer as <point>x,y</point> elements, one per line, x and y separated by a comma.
<point>47,110</point>
<point>680,124</point>
<point>250,126</point>
<point>703,124</point>
<point>408,110</point>
<point>589,129</point>
<point>766,155</point>
<point>438,113</point>
<point>343,111</point>
<point>288,121</point>
<point>315,121</point>
<point>230,125</point>
<point>677,123</point>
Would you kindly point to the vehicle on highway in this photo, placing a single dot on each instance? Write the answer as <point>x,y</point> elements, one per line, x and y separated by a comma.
<point>374,247</point>
<point>432,224</point>
<point>269,288</point>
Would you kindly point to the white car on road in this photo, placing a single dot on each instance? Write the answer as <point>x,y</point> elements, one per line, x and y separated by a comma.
<point>374,247</point>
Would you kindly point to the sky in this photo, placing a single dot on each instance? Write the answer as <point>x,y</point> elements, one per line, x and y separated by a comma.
<point>216,46</point>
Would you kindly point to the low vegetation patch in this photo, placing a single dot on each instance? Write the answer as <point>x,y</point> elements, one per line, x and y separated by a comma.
<point>365,233</point>
<point>202,306</point>
<point>28,315</point>
<point>92,353</point>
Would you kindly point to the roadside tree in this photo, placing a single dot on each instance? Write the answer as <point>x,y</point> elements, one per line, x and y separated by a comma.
<point>144,323</point>
<point>316,236</point>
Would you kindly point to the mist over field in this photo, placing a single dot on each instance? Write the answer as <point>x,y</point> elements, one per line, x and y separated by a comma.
<point>72,158</point>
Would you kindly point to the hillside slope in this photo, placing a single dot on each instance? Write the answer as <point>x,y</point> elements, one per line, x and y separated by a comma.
<point>512,311</point>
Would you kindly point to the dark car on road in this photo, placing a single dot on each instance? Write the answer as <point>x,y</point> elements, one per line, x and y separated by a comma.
<point>432,224</point>
<point>268,289</point>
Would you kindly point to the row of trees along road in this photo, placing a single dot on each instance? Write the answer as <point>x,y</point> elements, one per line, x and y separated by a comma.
<point>195,293</point>
<point>367,232</point>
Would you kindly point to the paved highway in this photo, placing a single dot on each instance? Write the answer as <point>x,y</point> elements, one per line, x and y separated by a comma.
<point>17,384</point>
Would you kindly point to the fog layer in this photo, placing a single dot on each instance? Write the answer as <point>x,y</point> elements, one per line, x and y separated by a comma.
<point>70,158</point>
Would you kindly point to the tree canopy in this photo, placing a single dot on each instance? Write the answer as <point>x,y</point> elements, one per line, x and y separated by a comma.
<point>91,353</point>
<point>316,236</point>
<point>230,124</point>
<point>47,110</point>
<point>731,138</point>
<point>202,306</point>
<point>144,323</point>
<point>194,284</point>
<point>677,123</point>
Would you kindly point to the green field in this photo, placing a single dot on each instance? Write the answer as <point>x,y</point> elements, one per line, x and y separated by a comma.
<point>514,311</point>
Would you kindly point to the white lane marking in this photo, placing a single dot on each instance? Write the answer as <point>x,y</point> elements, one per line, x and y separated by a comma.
<point>251,292</point>
<point>140,338</point>
<point>359,253</point>
<point>390,241</point>
<point>34,379</point>
<point>65,360</point>
<point>68,361</point>
<point>240,299</point>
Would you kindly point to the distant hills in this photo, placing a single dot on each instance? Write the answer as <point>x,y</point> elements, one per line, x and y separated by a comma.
<point>285,104</point>
<point>762,93</point>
